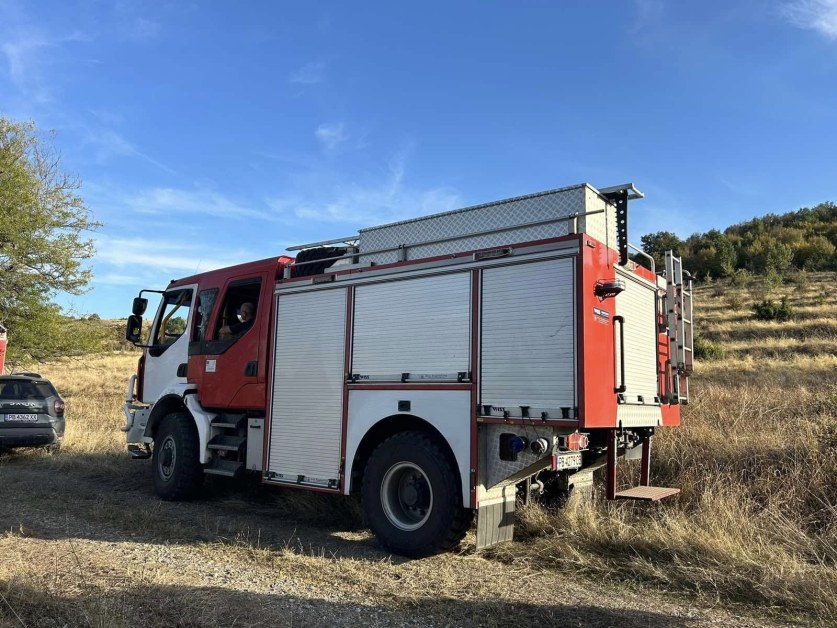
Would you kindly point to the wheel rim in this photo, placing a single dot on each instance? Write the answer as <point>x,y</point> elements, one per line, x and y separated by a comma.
<point>406,496</point>
<point>168,458</point>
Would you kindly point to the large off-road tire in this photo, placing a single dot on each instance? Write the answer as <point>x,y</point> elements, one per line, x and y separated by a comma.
<point>176,464</point>
<point>412,496</point>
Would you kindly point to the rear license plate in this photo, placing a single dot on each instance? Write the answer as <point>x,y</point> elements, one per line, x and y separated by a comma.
<point>21,418</point>
<point>568,461</point>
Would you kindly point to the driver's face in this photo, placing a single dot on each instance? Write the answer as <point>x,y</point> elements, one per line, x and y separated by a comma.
<point>246,313</point>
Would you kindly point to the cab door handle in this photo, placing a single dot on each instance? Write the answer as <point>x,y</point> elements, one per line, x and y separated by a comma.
<point>251,368</point>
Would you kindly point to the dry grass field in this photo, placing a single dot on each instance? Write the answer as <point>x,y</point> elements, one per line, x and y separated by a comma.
<point>751,540</point>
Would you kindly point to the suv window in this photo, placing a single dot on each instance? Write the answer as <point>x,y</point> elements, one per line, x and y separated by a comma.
<point>25,389</point>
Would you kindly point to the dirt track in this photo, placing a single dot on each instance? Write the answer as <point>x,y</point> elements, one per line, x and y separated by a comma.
<point>85,542</point>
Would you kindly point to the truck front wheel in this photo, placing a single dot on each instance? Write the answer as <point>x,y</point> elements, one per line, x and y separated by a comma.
<point>412,497</point>
<point>176,463</point>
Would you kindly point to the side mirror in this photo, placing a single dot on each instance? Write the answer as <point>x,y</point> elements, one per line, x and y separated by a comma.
<point>139,306</point>
<point>133,331</point>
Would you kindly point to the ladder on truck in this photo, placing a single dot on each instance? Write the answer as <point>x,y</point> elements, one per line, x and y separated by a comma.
<point>680,330</point>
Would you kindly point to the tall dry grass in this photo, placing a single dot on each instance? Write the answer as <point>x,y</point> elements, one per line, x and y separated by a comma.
<point>756,459</point>
<point>94,389</point>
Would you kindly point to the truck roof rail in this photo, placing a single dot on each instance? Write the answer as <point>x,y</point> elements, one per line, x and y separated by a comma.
<point>349,240</point>
<point>630,188</point>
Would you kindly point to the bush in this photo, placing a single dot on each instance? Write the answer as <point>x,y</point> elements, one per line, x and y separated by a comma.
<point>734,301</point>
<point>769,310</point>
<point>800,279</point>
<point>708,350</point>
<point>742,278</point>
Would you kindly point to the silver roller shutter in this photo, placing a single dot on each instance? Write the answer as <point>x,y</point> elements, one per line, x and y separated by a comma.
<point>528,337</point>
<point>307,403</point>
<point>637,305</point>
<point>419,326</point>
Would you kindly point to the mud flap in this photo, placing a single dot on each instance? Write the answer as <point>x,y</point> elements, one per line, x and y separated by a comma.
<point>495,515</point>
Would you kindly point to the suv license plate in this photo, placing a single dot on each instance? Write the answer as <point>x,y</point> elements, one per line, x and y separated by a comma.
<point>22,418</point>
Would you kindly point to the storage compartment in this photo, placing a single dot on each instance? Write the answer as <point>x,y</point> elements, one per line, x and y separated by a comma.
<point>413,329</point>
<point>307,400</point>
<point>528,339</point>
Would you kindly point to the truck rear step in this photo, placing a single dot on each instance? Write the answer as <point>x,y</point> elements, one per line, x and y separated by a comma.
<point>643,492</point>
<point>647,493</point>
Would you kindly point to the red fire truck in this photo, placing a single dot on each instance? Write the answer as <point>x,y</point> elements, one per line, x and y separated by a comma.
<point>434,366</point>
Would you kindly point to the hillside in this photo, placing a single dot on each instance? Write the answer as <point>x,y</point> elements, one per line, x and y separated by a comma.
<point>752,538</point>
<point>805,239</point>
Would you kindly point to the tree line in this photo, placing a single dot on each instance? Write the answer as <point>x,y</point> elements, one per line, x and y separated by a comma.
<point>805,239</point>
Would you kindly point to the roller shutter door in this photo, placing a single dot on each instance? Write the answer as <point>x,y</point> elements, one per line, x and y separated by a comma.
<point>307,402</point>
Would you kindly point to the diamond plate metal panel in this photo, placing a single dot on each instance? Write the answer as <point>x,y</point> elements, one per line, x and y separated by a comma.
<point>469,225</point>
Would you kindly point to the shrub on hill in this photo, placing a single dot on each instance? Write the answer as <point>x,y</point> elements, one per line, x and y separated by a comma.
<point>769,310</point>
<point>708,350</point>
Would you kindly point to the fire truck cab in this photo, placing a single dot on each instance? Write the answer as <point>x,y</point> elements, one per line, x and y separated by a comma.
<point>434,366</point>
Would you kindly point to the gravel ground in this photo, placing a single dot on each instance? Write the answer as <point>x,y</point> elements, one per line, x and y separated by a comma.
<point>85,542</point>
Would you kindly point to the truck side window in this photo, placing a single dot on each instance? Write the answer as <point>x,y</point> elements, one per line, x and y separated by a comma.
<point>237,309</point>
<point>206,301</point>
<point>175,313</point>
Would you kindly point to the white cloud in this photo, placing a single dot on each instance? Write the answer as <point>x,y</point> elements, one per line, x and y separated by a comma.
<point>143,29</point>
<point>366,204</point>
<point>176,202</point>
<point>22,60</point>
<point>817,15</point>
<point>108,144</point>
<point>648,15</point>
<point>331,135</point>
<point>309,74</point>
<point>165,255</point>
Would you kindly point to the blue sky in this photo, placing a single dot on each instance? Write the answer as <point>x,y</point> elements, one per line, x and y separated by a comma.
<point>214,133</point>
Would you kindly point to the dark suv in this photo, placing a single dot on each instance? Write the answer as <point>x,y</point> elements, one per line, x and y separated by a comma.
<point>31,412</point>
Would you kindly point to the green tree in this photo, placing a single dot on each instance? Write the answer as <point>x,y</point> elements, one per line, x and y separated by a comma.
<point>710,254</point>
<point>44,227</point>
<point>817,253</point>
<point>768,252</point>
<point>656,245</point>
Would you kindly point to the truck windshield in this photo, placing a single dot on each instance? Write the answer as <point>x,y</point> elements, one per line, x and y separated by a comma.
<point>174,315</point>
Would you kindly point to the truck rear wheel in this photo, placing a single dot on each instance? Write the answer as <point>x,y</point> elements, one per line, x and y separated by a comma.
<point>412,497</point>
<point>176,463</point>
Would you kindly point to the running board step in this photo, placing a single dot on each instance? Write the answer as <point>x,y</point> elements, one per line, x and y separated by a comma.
<point>647,493</point>
<point>229,421</point>
<point>225,442</point>
<point>227,468</point>
<point>139,452</point>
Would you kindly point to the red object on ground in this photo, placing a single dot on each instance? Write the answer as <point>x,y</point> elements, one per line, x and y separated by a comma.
<point>2,348</point>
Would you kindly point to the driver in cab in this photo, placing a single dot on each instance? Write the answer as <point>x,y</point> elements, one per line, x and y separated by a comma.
<point>245,313</point>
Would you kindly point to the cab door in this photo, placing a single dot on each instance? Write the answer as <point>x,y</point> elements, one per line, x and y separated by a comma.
<point>229,368</point>
<point>167,353</point>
